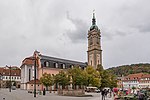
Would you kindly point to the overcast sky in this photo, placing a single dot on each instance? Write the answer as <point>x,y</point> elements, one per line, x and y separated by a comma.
<point>59,28</point>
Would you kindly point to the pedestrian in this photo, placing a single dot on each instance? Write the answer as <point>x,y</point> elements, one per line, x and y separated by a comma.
<point>44,91</point>
<point>103,94</point>
<point>141,96</point>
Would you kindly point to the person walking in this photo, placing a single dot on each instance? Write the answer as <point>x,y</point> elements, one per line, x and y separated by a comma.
<point>103,94</point>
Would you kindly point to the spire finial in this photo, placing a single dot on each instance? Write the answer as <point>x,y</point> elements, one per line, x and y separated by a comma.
<point>93,19</point>
<point>94,14</point>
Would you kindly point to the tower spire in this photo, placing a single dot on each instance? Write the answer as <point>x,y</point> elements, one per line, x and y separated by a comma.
<point>93,19</point>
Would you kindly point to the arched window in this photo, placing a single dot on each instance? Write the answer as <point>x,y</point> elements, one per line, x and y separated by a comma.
<point>46,64</point>
<point>55,65</point>
<point>70,66</point>
<point>63,66</point>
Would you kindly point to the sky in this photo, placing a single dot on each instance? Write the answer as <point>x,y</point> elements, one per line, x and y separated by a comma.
<point>58,28</point>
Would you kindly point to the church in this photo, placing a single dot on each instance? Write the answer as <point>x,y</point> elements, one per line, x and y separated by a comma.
<point>52,65</point>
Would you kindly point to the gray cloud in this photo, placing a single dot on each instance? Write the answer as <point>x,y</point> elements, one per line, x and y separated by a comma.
<point>26,25</point>
<point>80,32</point>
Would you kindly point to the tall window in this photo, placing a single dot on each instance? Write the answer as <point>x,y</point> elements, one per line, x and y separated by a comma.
<point>46,64</point>
<point>91,62</point>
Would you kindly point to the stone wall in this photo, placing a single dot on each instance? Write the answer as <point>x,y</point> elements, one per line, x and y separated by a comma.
<point>79,92</point>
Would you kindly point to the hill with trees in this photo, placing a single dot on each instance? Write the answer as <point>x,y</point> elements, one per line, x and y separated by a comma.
<point>130,69</point>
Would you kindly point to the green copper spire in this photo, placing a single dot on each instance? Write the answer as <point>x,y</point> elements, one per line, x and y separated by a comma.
<point>94,26</point>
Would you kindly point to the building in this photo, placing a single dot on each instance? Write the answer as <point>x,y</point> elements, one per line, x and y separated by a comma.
<point>52,65</point>
<point>144,81</point>
<point>46,64</point>
<point>119,82</point>
<point>94,45</point>
<point>139,80</point>
<point>7,74</point>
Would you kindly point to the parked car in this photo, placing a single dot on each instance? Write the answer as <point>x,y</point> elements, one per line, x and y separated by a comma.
<point>97,91</point>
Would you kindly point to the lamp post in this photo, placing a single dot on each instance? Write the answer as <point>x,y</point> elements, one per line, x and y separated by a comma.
<point>35,65</point>
<point>35,75</point>
<point>10,79</point>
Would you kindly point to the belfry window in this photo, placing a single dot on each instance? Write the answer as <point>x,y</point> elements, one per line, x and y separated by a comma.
<point>91,41</point>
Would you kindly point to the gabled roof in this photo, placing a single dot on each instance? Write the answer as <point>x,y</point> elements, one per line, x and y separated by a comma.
<point>28,61</point>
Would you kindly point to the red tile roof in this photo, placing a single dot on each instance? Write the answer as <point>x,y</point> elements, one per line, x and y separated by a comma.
<point>28,61</point>
<point>6,72</point>
<point>146,76</point>
<point>134,76</point>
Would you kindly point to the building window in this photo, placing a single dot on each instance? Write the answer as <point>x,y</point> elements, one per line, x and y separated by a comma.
<point>64,66</point>
<point>91,41</point>
<point>91,62</point>
<point>55,65</point>
<point>46,64</point>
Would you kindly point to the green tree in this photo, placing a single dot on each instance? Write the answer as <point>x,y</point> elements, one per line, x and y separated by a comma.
<point>113,81</point>
<point>105,79</point>
<point>78,77</point>
<point>47,80</point>
<point>93,75</point>
<point>62,79</point>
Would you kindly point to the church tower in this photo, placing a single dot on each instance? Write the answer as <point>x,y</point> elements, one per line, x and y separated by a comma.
<point>94,45</point>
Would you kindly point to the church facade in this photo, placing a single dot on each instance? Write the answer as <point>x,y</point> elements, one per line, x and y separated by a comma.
<point>52,65</point>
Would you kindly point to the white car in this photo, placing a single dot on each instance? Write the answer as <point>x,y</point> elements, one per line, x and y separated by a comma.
<point>97,91</point>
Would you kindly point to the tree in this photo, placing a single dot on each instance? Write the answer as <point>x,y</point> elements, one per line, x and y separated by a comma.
<point>108,80</point>
<point>93,75</point>
<point>47,80</point>
<point>62,79</point>
<point>105,77</point>
<point>78,77</point>
<point>113,81</point>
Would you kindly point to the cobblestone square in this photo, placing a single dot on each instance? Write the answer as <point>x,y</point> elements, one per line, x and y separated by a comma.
<point>24,95</point>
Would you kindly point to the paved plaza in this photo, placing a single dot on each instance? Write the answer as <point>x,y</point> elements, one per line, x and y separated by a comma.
<point>24,95</point>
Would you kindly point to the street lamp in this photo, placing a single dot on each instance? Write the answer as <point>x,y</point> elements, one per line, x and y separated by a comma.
<point>35,76</point>
<point>10,79</point>
<point>35,62</point>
